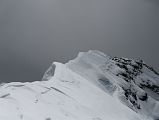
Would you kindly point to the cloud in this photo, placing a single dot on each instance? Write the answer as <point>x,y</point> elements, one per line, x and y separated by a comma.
<point>36,32</point>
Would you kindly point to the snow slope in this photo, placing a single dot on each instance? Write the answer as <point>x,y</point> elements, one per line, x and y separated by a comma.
<point>93,86</point>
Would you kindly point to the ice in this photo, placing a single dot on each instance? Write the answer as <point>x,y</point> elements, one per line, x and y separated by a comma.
<point>93,86</point>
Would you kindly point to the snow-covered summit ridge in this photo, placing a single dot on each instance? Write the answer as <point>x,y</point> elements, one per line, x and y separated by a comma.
<point>132,81</point>
<point>93,86</point>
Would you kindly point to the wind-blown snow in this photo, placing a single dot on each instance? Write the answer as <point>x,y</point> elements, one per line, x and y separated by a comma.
<point>93,86</point>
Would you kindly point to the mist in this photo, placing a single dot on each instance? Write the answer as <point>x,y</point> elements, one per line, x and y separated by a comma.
<point>34,33</point>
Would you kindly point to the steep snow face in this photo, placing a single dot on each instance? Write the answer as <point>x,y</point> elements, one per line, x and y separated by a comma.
<point>133,82</point>
<point>93,86</point>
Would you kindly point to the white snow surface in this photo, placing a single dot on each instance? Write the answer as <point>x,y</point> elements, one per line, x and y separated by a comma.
<point>86,88</point>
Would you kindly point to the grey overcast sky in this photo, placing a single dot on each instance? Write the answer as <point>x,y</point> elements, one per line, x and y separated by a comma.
<point>33,33</point>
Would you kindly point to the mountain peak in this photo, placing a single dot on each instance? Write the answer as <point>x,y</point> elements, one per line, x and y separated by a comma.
<point>93,86</point>
<point>133,81</point>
